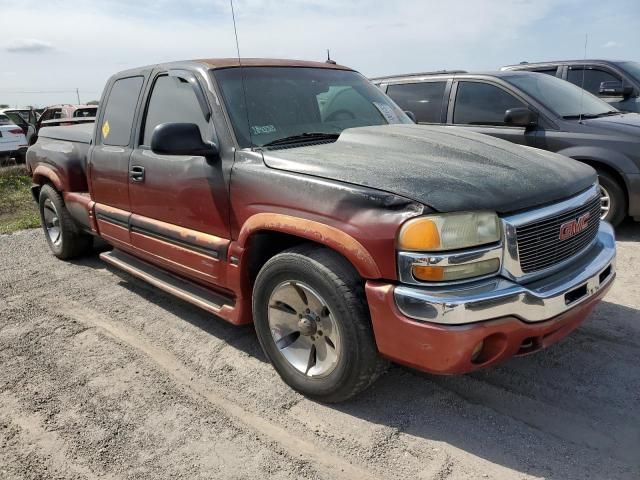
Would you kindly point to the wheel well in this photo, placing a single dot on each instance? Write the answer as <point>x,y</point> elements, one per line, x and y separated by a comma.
<point>38,183</point>
<point>610,170</point>
<point>266,244</point>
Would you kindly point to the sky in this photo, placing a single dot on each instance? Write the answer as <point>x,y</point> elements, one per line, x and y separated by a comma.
<point>48,48</point>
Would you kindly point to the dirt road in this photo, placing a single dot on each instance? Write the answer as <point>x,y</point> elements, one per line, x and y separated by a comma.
<point>103,377</point>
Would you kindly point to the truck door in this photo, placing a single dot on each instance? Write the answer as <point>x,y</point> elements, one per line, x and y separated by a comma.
<point>179,203</point>
<point>109,160</point>
<point>481,107</point>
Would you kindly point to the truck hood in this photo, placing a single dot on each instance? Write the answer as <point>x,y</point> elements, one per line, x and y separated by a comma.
<point>445,168</point>
<point>627,123</point>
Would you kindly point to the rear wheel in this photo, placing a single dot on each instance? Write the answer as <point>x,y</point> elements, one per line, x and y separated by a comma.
<point>613,207</point>
<point>64,237</point>
<point>313,324</point>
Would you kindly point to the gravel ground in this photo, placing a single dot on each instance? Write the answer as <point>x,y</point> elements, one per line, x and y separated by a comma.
<point>103,377</point>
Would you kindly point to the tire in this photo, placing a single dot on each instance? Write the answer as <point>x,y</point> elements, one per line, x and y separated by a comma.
<point>613,193</point>
<point>65,239</point>
<point>343,360</point>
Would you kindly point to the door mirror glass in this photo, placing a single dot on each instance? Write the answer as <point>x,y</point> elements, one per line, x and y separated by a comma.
<point>615,89</point>
<point>181,139</point>
<point>520,117</point>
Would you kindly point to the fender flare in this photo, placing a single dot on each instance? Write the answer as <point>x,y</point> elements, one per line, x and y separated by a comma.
<point>317,232</point>
<point>42,172</point>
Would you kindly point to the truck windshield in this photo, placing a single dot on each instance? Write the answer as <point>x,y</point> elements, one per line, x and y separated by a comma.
<point>300,104</point>
<point>562,98</point>
<point>632,68</point>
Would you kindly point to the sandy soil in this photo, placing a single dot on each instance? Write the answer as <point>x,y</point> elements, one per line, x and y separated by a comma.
<point>103,377</point>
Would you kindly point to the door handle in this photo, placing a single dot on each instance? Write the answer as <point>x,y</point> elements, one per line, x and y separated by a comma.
<point>136,174</point>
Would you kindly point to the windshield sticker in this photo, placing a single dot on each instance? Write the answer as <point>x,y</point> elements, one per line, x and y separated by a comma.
<point>105,129</point>
<point>387,112</point>
<point>262,129</point>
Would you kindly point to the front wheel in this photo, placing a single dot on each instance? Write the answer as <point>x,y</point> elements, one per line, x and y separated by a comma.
<point>62,234</point>
<point>612,199</point>
<point>313,324</point>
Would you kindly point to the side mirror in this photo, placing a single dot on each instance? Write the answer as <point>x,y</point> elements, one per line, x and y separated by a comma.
<point>615,89</point>
<point>181,139</point>
<point>520,117</point>
<point>411,115</point>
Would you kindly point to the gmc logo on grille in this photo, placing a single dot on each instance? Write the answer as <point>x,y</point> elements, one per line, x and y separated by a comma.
<point>574,227</point>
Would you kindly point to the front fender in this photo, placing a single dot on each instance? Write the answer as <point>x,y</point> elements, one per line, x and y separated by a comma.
<point>317,232</point>
<point>615,160</point>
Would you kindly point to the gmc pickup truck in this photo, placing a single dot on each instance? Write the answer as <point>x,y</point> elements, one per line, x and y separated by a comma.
<point>298,197</point>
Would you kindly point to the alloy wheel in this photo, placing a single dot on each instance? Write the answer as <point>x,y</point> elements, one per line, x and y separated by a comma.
<point>52,222</point>
<point>304,330</point>
<point>605,203</point>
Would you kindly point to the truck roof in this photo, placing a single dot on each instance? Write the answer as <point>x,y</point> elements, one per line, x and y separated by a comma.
<point>214,63</point>
<point>553,62</point>
<point>266,62</point>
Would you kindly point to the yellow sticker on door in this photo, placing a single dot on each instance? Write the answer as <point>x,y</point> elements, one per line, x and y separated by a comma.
<point>105,129</point>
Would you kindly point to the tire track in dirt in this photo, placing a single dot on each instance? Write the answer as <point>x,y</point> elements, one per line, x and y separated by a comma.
<point>621,443</point>
<point>295,446</point>
<point>48,443</point>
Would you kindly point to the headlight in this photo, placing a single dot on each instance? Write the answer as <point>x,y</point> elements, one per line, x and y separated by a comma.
<point>449,231</point>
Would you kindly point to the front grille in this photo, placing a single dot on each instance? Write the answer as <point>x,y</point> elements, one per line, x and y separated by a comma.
<point>539,244</point>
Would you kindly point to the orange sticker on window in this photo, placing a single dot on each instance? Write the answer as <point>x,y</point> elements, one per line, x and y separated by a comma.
<point>105,129</point>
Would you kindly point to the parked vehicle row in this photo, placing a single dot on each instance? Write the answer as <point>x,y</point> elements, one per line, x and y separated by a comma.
<point>298,196</point>
<point>29,122</point>
<point>534,110</point>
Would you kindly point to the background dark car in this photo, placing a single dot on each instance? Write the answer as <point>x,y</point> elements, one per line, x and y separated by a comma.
<point>616,82</point>
<point>539,111</point>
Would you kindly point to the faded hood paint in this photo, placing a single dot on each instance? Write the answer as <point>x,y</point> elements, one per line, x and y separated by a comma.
<point>445,168</point>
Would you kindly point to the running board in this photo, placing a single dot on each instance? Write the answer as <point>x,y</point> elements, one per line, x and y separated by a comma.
<point>176,286</point>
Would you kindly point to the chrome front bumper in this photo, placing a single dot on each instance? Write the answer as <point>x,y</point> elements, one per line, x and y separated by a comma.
<point>498,297</point>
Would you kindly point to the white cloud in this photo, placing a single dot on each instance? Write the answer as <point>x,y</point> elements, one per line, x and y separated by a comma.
<point>28,45</point>
<point>612,44</point>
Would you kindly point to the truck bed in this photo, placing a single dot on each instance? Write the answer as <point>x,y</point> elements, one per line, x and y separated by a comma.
<point>62,151</point>
<point>81,133</point>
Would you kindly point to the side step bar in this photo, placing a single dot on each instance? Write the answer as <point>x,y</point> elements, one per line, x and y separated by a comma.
<point>176,286</point>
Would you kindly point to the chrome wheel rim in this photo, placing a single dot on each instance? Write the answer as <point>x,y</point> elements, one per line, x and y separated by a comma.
<point>52,222</point>
<point>303,329</point>
<point>605,203</point>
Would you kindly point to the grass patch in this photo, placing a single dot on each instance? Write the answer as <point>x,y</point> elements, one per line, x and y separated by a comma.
<point>18,211</point>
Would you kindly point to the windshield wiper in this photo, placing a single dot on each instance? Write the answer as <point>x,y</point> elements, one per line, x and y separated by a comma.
<point>303,137</point>
<point>609,113</point>
<point>591,115</point>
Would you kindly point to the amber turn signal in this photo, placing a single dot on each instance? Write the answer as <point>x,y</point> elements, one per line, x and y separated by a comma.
<point>420,234</point>
<point>432,273</point>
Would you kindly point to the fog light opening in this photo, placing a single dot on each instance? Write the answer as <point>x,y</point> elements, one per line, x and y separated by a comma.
<point>489,349</point>
<point>476,351</point>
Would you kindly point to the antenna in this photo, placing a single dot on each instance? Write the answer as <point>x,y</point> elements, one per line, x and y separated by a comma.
<point>244,88</point>
<point>328,60</point>
<point>584,68</point>
<point>78,95</point>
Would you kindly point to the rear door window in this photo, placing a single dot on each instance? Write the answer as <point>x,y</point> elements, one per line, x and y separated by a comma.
<point>424,99</point>
<point>593,77</point>
<point>120,108</point>
<point>482,104</point>
<point>172,100</point>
